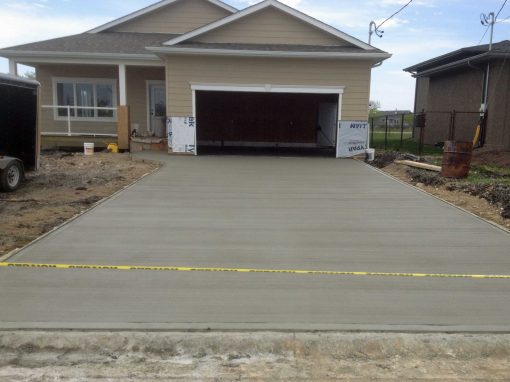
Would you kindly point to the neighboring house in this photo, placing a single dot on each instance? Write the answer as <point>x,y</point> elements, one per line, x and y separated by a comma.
<point>456,81</point>
<point>265,75</point>
<point>392,117</point>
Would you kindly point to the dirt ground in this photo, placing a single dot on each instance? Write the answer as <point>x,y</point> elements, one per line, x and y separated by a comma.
<point>261,356</point>
<point>489,201</point>
<point>67,184</point>
<point>491,157</point>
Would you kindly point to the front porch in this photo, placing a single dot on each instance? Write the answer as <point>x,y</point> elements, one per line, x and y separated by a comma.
<point>101,104</point>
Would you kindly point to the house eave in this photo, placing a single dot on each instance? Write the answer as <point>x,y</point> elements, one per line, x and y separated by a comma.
<point>456,64</point>
<point>82,57</point>
<point>266,53</point>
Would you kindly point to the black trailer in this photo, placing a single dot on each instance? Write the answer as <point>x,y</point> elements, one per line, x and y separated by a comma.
<point>19,133</point>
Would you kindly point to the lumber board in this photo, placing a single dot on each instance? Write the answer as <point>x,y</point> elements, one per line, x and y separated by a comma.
<point>424,166</point>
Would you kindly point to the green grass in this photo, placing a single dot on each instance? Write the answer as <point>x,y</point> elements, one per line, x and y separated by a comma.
<point>394,143</point>
<point>489,175</point>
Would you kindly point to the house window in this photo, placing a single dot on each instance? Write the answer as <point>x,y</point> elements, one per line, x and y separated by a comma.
<point>85,97</point>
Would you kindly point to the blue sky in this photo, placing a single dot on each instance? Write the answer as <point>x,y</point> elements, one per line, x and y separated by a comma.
<point>425,29</point>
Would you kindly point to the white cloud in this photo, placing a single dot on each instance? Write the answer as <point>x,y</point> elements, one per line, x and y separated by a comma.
<point>394,22</point>
<point>27,22</point>
<point>291,3</point>
<point>396,3</point>
<point>33,26</point>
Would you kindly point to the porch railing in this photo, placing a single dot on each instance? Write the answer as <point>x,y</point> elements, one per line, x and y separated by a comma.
<point>70,118</point>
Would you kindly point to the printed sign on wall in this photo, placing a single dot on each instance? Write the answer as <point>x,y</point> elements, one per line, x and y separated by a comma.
<point>181,133</point>
<point>352,138</point>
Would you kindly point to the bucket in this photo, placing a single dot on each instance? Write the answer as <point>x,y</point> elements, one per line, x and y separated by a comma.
<point>369,155</point>
<point>456,159</point>
<point>88,148</point>
<point>113,148</point>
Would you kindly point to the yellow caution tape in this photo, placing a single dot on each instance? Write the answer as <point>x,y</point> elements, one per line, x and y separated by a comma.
<point>246,270</point>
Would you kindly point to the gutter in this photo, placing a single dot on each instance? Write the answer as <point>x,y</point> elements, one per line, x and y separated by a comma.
<point>73,55</point>
<point>450,65</point>
<point>465,61</point>
<point>266,53</point>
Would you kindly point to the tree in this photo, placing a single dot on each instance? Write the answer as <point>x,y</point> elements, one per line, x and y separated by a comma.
<point>373,108</point>
<point>29,74</point>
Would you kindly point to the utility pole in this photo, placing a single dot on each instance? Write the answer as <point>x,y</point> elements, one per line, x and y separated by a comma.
<point>489,21</point>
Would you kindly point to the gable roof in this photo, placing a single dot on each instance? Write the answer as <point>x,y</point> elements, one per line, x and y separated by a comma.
<point>106,42</point>
<point>460,57</point>
<point>271,50</point>
<point>282,7</point>
<point>152,8</point>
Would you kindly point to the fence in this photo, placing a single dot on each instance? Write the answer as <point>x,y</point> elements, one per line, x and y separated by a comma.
<point>452,125</point>
<point>394,132</point>
<point>425,132</point>
<point>66,120</point>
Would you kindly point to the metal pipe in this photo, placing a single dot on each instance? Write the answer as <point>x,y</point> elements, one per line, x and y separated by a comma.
<point>371,31</point>
<point>68,121</point>
<point>372,130</point>
<point>386,135</point>
<point>402,131</point>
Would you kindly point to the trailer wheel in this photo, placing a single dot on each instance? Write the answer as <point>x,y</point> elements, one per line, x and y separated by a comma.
<point>11,176</point>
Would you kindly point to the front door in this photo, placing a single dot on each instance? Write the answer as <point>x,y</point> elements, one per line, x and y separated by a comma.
<point>157,110</point>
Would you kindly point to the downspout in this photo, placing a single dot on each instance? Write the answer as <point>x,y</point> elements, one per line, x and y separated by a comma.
<point>486,86</point>
<point>485,98</point>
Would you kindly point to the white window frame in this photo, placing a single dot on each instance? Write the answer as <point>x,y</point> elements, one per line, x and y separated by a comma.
<point>94,82</point>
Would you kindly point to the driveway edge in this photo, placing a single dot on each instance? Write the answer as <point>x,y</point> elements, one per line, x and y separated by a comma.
<point>14,252</point>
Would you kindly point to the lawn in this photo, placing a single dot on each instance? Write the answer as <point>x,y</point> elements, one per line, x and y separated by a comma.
<point>395,140</point>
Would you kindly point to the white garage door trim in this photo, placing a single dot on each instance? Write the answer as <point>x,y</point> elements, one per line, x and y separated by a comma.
<point>266,88</point>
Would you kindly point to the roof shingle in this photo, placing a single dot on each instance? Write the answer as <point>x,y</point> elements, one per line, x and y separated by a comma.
<point>105,42</point>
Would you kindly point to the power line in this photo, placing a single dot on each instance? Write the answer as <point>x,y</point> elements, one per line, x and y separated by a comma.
<point>486,20</point>
<point>374,28</point>
<point>486,30</point>
<point>397,12</point>
<point>500,9</point>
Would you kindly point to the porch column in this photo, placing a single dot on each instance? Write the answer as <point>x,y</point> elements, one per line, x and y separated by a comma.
<point>122,85</point>
<point>122,111</point>
<point>13,67</point>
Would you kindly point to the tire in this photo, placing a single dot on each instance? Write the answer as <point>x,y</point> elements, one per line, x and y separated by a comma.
<point>11,176</point>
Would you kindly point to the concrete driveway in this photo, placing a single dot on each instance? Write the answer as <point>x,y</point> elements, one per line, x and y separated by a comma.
<point>265,213</point>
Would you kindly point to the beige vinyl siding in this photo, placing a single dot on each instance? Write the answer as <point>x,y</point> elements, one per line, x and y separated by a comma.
<point>183,70</point>
<point>270,26</point>
<point>45,73</point>
<point>180,17</point>
<point>137,92</point>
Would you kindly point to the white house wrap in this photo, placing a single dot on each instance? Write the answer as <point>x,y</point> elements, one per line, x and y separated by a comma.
<point>182,134</point>
<point>352,138</point>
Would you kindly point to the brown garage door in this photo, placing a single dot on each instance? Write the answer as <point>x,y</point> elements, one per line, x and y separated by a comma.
<point>259,119</point>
